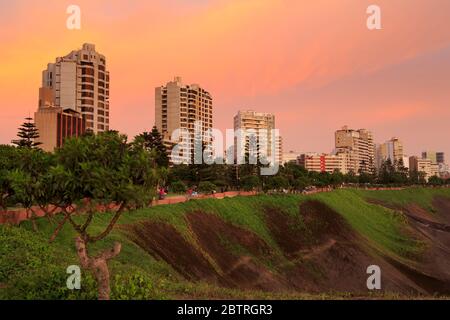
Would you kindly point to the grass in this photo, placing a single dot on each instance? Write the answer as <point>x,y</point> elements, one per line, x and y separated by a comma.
<point>32,268</point>
<point>420,196</point>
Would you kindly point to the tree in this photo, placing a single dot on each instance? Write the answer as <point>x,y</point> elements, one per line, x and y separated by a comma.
<point>100,171</point>
<point>277,183</point>
<point>178,187</point>
<point>250,183</point>
<point>337,178</point>
<point>8,162</point>
<point>28,181</point>
<point>28,133</point>
<point>206,187</point>
<point>153,141</point>
<point>436,181</point>
<point>301,183</point>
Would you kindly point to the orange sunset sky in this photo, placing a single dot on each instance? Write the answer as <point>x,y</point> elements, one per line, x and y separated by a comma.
<point>313,63</point>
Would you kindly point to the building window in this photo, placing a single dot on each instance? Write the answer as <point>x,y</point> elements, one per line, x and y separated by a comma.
<point>88,102</point>
<point>88,80</point>
<point>87,109</point>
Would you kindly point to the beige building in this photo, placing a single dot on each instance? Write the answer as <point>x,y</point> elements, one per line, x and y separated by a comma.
<point>359,149</point>
<point>291,157</point>
<point>181,106</point>
<point>79,81</point>
<point>430,155</point>
<point>262,126</point>
<point>423,165</point>
<point>279,150</point>
<point>391,149</point>
<point>324,162</point>
<point>55,125</point>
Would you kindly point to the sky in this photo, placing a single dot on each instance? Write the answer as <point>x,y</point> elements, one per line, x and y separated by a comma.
<point>314,64</point>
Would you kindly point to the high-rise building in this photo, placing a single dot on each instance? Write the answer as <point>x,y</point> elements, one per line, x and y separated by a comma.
<point>358,146</point>
<point>261,126</point>
<point>392,150</point>
<point>79,81</point>
<point>181,107</point>
<point>324,162</point>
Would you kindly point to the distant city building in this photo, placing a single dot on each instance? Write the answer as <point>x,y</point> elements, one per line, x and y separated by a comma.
<point>429,155</point>
<point>79,81</point>
<point>325,162</point>
<point>179,107</point>
<point>358,146</point>
<point>435,157</point>
<point>291,157</point>
<point>440,157</point>
<point>55,125</point>
<point>261,125</point>
<point>444,170</point>
<point>406,162</point>
<point>423,165</point>
<point>279,150</point>
<point>392,150</point>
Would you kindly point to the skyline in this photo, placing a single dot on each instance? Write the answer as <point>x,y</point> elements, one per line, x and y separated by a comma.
<point>399,74</point>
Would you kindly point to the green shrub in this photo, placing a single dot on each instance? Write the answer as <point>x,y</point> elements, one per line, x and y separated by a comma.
<point>250,183</point>
<point>206,187</point>
<point>136,286</point>
<point>178,187</point>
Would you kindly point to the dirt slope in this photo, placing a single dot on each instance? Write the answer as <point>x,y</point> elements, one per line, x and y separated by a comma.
<point>316,251</point>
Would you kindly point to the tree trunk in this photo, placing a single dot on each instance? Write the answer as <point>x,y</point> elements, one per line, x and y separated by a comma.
<point>98,265</point>
<point>31,216</point>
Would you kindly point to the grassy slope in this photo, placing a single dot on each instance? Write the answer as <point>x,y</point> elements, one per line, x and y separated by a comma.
<point>30,268</point>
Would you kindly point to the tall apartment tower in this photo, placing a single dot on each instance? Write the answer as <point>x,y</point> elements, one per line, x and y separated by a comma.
<point>359,146</point>
<point>262,125</point>
<point>180,106</point>
<point>391,149</point>
<point>79,81</point>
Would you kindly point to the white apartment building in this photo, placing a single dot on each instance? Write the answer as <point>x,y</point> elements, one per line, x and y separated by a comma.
<point>262,127</point>
<point>325,162</point>
<point>179,106</point>
<point>358,146</point>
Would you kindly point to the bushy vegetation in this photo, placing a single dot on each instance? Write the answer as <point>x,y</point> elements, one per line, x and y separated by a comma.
<point>293,178</point>
<point>106,173</point>
<point>84,175</point>
<point>31,268</point>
